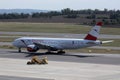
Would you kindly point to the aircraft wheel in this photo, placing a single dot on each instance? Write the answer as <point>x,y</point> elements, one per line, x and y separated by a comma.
<point>61,52</point>
<point>19,50</point>
<point>48,52</point>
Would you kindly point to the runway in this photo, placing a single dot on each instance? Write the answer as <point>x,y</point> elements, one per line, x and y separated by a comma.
<point>98,58</point>
<point>70,66</point>
<point>19,78</point>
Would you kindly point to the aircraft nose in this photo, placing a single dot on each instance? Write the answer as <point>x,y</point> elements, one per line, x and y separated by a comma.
<point>14,43</point>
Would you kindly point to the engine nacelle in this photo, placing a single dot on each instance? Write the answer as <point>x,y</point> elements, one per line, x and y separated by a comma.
<point>32,48</point>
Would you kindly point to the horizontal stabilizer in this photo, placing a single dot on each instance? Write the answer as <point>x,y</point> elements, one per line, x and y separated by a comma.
<point>107,41</point>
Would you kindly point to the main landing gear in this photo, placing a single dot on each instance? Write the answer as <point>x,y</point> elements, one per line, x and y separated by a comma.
<point>19,50</point>
<point>61,52</point>
<point>58,52</point>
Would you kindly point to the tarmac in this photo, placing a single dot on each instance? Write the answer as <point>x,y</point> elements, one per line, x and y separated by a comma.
<point>19,78</point>
<point>71,66</point>
<point>59,70</point>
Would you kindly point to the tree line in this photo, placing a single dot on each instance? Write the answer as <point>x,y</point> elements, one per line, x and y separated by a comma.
<point>68,13</point>
<point>13,15</point>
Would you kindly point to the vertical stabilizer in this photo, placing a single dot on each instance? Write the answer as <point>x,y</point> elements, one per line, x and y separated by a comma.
<point>94,33</point>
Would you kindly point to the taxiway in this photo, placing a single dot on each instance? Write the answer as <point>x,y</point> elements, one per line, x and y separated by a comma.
<point>70,66</point>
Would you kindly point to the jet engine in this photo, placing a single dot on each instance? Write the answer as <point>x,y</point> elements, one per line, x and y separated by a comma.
<point>32,48</point>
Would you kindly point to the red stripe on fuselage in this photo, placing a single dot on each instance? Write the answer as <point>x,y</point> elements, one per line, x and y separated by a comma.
<point>90,37</point>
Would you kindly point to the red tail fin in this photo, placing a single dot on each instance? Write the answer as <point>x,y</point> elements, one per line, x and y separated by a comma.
<point>93,34</point>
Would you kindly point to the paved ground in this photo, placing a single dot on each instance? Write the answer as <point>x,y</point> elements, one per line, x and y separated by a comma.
<point>113,59</point>
<point>71,66</point>
<point>20,78</point>
<point>58,70</point>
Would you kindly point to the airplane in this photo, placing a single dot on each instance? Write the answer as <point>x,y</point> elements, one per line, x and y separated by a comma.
<point>33,44</point>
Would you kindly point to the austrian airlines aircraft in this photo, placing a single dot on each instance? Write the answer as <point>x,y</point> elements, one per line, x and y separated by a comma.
<point>59,44</point>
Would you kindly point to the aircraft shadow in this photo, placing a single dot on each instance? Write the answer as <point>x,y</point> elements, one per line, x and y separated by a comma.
<point>74,55</point>
<point>29,54</point>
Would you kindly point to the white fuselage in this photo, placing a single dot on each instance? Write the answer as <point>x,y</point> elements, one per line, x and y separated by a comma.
<point>59,43</point>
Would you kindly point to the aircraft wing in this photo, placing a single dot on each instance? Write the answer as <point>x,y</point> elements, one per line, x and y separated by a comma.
<point>44,46</point>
